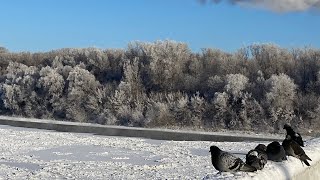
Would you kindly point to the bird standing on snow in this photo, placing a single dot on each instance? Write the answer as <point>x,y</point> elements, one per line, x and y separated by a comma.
<point>276,152</point>
<point>292,148</point>
<point>294,135</point>
<point>257,157</point>
<point>225,161</point>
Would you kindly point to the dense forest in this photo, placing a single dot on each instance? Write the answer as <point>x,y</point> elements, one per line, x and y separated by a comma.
<point>164,84</point>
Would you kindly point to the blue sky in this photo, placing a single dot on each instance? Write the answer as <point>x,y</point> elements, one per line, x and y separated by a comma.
<point>43,25</point>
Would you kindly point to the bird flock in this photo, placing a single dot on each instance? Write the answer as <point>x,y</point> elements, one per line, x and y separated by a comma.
<point>258,157</point>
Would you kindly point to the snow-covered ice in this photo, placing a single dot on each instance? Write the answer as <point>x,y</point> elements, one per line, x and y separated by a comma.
<point>42,154</point>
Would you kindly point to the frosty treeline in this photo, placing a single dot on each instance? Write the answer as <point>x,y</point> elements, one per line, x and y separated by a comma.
<point>165,84</point>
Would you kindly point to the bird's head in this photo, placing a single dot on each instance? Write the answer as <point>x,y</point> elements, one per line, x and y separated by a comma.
<point>254,153</point>
<point>273,146</point>
<point>214,149</point>
<point>261,147</point>
<point>287,127</point>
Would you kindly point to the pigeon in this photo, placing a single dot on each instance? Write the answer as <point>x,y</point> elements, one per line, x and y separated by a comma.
<point>292,148</point>
<point>257,157</point>
<point>276,152</point>
<point>226,162</point>
<point>294,135</point>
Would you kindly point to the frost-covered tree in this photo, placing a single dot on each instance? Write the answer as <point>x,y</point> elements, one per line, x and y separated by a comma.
<point>257,87</point>
<point>51,85</point>
<point>194,75</point>
<point>129,100</point>
<point>221,107</point>
<point>216,62</point>
<point>116,58</point>
<point>236,83</point>
<point>82,101</point>
<point>181,111</point>
<point>215,84</point>
<point>19,90</point>
<point>167,63</point>
<point>271,59</point>
<point>173,109</point>
<point>306,110</point>
<point>159,114</point>
<point>306,67</point>
<point>252,115</point>
<point>281,97</point>
<point>233,107</point>
<point>197,108</point>
<point>314,114</point>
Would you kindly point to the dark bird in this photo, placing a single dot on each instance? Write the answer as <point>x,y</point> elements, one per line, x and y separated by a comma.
<point>294,135</point>
<point>257,157</point>
<point>292,148</point>
<point>276,152</point>
<point>224,161</point>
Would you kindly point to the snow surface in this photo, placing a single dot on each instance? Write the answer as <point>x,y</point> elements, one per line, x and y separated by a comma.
<point>42,154</point>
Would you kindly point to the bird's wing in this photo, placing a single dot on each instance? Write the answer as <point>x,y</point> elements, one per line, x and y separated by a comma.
<point>299,139</point>
<point>237,164</point>
<point>263,157</point>
<point>297,149</point>
<point>230,161</point>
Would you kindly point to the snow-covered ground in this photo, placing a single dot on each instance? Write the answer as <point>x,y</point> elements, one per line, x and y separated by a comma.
<point>42,154</point>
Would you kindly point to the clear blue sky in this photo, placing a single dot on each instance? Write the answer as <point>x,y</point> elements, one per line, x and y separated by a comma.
<point>42,25</point>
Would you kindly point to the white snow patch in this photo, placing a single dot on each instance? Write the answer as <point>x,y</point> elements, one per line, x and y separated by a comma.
<point>42,154</point>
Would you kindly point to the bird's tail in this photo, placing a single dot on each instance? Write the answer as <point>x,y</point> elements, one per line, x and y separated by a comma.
<point>306,162</point>
<point>305,157</point>
<point>247,168</point>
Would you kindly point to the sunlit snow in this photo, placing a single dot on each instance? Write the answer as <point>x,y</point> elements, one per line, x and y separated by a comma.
<point>41,154</point>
